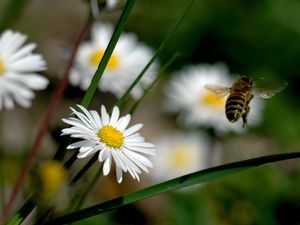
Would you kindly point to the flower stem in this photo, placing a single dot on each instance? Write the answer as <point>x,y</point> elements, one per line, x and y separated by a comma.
<point>88,187</point>
<point>157,52</point>
<point>151,86</point>
<point>84,169</point>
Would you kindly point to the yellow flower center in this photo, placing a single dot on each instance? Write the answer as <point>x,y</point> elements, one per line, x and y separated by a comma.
<point>111,136</point>
<point>212,100</point>
<point>2,67</point>
<point>112,64</point>
<point>180,157</point>
<point>53,176</point>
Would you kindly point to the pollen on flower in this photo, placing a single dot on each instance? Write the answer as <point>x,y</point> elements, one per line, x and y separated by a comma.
<point>111,136</point>
<point>211,99</point>
<point>2,67</point>
<point>180,157</point>
<point>96,57</point>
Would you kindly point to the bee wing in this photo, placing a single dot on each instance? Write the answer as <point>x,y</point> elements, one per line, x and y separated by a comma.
<point>269,90</point>
<point>219,90</point>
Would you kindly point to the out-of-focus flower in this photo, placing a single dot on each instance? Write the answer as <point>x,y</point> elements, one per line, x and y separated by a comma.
<point>110,4</point>
<point>200,107</point>
<point>126,62</point>
<point>49,181</point>
<point>18,67</point>
<point>179,154</point>
<point>110,136</point>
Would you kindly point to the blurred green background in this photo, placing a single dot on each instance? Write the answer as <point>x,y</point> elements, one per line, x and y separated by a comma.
<point>259,38</point>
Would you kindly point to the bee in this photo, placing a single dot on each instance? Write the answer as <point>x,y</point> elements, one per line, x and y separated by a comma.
<point>241,93</point>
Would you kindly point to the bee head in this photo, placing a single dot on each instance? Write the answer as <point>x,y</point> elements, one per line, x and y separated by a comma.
<point>245,79</point>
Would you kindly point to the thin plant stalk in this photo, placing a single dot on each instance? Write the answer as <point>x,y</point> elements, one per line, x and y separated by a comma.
<point>157,52</point>
<point>88,187</point>
<point>152,85</point>
<point>84,169</point>
<point>107,54</point>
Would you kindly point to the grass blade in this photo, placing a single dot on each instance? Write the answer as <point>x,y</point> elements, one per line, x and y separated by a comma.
<point>107,54</point>
<point>201,176</point>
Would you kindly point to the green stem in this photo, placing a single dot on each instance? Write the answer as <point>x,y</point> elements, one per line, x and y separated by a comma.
<point>109,50</point>
<point>84,169</point>
<point>201,176</point>
<point>88,187</point>
<point>158,51</point>
<point>18,218</point>
<point>150,87</point>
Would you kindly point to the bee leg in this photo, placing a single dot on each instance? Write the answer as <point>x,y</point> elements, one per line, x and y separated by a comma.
<point>245,114</point>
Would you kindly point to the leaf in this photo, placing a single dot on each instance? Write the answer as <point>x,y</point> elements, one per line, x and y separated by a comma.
<point>201,176</point>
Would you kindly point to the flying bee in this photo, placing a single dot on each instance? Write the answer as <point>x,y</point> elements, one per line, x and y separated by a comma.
<point>240,94</point>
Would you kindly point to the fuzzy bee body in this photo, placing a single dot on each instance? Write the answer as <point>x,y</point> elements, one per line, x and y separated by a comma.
<point>235,106</point>
<point>237,103</point>
<point>240,94</point>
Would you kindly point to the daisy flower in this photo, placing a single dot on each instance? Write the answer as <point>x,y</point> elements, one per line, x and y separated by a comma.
<point>179,154</point>
<point>126,62</point>
<point>110,136</point>
<point>18,70</point>
<point>200,107</point>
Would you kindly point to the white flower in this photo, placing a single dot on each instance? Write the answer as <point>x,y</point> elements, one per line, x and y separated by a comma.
<point>179,154</point>
<point>111,4</point>
<point>198,106</point>
<point>18,67</point>
<point>108,136</point>
<point>127,61</point>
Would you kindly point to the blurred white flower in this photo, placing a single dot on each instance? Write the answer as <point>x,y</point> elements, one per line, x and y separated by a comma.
<point>200,107</point>
<point>18,67</point>
<point>110,4</point>
<point>126,62</point>
<point>179,154</point>
<point>108,135</point>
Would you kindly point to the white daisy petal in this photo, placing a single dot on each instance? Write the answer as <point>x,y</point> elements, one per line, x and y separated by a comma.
<point>114,116</point>
<point>133,129</point>
<point>25,50</point>
<point>119,174</point>
<point>123,122</point>
<point>147,151</point>
<point>18,67</point>
<point>106,166</point>
<point>104,116</point>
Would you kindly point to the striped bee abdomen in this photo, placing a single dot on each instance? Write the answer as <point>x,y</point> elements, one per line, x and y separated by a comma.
<point>235,105</point>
